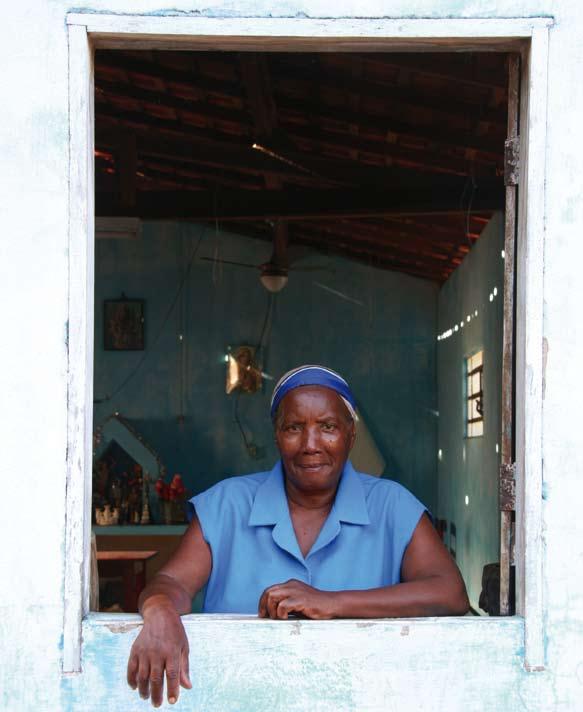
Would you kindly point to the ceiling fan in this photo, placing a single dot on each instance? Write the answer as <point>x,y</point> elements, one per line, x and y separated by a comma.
<point>274,273</point>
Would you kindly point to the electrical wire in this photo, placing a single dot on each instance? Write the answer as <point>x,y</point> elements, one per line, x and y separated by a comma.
<point>250,447</point>
<point>173,303</point>
<point>470,182</point>
<point>266,319</point>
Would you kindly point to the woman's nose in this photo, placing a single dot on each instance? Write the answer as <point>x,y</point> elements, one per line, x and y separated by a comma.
<point>311,439</point>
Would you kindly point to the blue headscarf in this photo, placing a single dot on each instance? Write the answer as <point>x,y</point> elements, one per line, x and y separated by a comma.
<point>311,375</point>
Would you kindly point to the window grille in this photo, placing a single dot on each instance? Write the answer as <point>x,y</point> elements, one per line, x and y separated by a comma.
<point>475,395</point>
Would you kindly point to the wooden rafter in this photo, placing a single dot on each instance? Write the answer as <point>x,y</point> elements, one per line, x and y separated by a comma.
<point>294,205</point>
<point>394,160</point>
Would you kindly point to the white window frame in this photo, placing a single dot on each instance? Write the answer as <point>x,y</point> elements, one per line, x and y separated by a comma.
<point>529,36</point>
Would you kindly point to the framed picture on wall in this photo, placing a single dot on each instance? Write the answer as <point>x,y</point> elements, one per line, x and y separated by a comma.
<point>123,324</point>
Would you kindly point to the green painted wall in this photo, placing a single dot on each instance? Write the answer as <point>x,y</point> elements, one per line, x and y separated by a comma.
<point>468,467</point>
<point>385,347</point>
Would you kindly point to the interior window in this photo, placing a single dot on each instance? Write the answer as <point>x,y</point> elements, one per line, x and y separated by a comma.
<point>475,395</point>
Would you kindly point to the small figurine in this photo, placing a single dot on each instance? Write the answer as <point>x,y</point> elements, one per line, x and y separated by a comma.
<point>107,517</point>
<point>145,518</point>
<point>172,498</point>
<point>177,488</point>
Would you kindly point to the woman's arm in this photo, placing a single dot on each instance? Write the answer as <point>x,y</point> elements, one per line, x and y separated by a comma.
<point>431,586</point>
<point>161,648</point>
<point>186,572</point>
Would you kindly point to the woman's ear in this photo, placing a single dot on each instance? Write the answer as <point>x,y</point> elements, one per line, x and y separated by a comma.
<point>352,436</point>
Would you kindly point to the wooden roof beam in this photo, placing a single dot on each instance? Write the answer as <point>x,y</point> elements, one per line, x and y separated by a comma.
<point>176,140</point>
<point>374,258</point>
<point>437,226</point>
<point>424,159</point>
<point>106,90</point>
<point>402,99</point>
<point>441,66</point>
<point>390,234</point>
<point>486,145</point>
<point>119,61</point>
<point>243,159</point>
<point>391,242</point>
<point>378,123</point>
<point>421,159</point>
<point>295,204</point>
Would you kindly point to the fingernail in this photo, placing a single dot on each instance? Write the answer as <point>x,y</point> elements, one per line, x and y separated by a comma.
<point>172,700</point>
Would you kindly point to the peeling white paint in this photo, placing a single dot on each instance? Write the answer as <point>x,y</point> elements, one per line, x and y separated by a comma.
<point>256,665</point>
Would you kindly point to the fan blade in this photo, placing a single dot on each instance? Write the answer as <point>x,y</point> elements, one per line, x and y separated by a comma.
<point>339,294</point>
<point>230,262</point>
<point>297,253</point>
<point>312,268</point>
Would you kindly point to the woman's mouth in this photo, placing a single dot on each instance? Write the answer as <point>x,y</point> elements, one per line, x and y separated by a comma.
<point>312,466</point>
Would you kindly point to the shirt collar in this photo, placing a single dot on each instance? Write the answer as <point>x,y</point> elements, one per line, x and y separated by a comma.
<point>350,503</point>
<point>270,503</point>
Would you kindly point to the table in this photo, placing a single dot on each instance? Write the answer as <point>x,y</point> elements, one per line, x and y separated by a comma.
<point>133,568</point>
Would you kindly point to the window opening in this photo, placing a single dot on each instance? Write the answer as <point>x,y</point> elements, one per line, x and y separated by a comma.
<point>475,395</point>
<point>211,143</point>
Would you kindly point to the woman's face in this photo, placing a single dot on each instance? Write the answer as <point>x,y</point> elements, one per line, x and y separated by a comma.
<point>314,433</point>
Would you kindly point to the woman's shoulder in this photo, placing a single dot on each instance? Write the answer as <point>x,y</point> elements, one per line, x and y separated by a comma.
<point>383,491</point>
<point>235,487</point>
<point>231,497</point>
<point>380,484</point>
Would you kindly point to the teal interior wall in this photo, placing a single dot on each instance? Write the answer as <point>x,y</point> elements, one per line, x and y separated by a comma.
<point>385,346</point>
<point>468,467</point>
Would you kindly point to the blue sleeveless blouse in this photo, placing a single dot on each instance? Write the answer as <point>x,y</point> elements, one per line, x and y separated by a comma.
<point>246,523</point>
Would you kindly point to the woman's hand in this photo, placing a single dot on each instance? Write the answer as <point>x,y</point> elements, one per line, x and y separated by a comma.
<point>160,649</point>
<point>295,597</point>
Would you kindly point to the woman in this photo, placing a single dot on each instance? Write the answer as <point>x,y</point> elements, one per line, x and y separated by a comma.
<point>310,538</point>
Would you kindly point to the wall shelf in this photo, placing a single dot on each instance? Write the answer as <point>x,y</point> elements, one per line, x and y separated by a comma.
<point>141,530</point>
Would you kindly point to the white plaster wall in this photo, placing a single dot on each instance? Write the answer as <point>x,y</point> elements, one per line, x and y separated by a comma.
<point>33,295</point>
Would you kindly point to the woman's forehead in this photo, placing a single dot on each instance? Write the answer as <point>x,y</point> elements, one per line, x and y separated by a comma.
<point>313,397</point>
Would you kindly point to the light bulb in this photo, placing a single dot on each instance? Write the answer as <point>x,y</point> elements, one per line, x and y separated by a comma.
<point>273,282</point>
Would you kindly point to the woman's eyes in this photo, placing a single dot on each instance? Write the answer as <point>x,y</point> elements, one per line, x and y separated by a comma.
<point>328,427</point>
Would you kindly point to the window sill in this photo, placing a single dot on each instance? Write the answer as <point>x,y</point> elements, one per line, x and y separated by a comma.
<point>412,640</point>
<point>451,636</point>
<point>247,663</point>
<point>123,622</point>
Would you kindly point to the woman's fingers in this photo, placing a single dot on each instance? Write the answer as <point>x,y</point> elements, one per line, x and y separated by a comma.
<point>287,606</point>
<point>144,677</point>
<point>148,676</point>
<point>173,679</point>
<point>185,670</point>
<point>132,673</point>
<point>157,683</point>
<point>271,597</point>
<point>263,608</point>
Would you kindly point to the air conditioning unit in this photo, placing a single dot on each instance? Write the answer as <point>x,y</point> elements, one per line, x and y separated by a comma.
<point>118,228</point>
